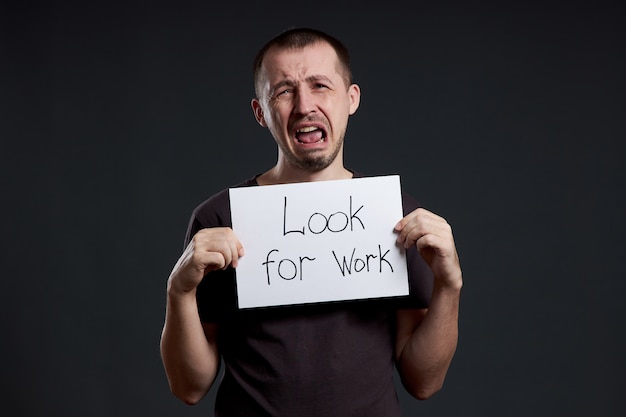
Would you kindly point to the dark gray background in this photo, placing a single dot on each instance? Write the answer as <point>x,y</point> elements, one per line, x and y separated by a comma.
<point>505,118</point>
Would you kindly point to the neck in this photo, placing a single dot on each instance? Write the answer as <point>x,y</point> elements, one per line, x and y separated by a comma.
<point>287,175</point>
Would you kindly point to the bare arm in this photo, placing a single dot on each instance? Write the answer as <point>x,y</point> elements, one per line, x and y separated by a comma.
<point>426,339</point>
<point>188,347</point>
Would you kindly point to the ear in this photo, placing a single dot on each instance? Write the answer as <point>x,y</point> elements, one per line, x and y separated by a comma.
<point>258,112</point>
<point>354,92</point>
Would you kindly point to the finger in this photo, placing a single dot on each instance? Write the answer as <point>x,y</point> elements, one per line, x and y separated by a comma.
<point>405,220</point>
<point>213,260</point>
<point>422,224</point>
<point>233,247</point>
<point>221,241</point>
<point>404,226</point>
<point>439,238</point>
<point>411,228</point>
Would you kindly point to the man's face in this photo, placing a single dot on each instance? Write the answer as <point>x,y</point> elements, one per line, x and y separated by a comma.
<point>305,103</point>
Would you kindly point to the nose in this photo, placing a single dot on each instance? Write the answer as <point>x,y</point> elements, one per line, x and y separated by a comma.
<point>304,102</point>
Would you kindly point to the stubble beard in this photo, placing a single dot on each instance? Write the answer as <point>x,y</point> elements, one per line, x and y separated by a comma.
<point>313,161</point>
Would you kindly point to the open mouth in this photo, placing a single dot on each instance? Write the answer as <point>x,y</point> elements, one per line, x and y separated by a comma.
<point>310,135</point>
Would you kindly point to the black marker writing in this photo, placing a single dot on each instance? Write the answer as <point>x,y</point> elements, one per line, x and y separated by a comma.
<point>286,268</point>
<point>285,232</point>
<point>319,223</point>
<point>359,264</point>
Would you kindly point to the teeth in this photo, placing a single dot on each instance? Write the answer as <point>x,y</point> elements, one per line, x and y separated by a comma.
<point>307,129</point>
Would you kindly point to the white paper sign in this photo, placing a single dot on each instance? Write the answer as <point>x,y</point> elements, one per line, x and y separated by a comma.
<point>319,241</point>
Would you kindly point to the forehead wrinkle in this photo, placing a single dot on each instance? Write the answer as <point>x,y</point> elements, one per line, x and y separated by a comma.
<point>294,69</point>
<point>311,79</point>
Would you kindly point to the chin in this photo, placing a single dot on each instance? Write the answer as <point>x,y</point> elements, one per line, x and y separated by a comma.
<point>312,163</point>
<point>314,160</point>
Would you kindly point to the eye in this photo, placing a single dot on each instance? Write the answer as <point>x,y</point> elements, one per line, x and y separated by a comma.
<point>283,92</point>
<point>320,86</point>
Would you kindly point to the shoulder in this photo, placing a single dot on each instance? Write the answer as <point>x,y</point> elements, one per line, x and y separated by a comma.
<point>409,202</point>
<point>215,210</point>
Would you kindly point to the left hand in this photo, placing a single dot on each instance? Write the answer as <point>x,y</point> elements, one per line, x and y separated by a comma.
<point>433,237</point>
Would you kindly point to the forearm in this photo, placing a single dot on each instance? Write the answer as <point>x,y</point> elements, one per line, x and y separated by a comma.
<point>425,356</point>
<point>190,359</point>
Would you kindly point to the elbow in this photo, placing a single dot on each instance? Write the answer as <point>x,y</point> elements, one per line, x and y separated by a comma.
<point>187,396</point>
<point>188,393</point>
<point>189,400</point>
<point>424,391</point>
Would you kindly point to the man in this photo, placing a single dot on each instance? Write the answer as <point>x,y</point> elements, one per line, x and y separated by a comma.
<point>334,359</point>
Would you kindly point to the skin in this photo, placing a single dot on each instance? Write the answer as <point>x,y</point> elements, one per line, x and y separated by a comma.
<point>304,88</point>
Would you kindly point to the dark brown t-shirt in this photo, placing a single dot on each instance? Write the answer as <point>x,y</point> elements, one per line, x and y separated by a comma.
<point>328,359</point>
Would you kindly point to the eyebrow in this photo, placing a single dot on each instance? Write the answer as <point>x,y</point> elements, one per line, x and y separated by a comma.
<point>310,79</point>
<point>316,78</point>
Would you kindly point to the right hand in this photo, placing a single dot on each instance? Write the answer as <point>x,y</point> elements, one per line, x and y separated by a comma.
<point>210,249</point>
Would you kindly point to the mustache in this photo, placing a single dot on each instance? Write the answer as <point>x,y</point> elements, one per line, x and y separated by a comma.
<point>309,119</point>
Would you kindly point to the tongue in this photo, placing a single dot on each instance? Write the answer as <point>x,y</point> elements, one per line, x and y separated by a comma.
<point>310,137</point>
